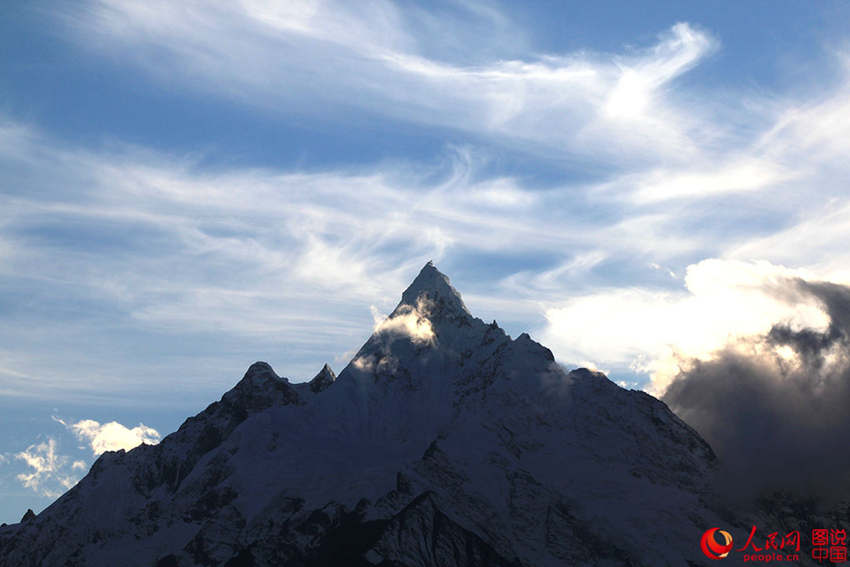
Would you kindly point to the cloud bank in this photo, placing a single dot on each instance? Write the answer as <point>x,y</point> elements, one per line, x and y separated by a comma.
<point>775,405</point>
<point>651,331</point>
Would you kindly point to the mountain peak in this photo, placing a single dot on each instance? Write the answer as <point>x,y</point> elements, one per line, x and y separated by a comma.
<point>261,369</point>
<point>432,285</point>
<point>442,443</point>
<point>260,388</point>
<point>323,379</point>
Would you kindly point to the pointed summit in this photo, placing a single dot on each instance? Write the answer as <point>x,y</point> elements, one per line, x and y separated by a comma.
<point>323,379</point>
<point>433,285</point>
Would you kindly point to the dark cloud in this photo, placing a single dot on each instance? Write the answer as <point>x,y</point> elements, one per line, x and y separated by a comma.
<point>776,408</point>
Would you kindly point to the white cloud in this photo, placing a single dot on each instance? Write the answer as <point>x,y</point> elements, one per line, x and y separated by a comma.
<point>49,475</point>
<point>746,175</point>
<point>110,436</point>
<point>638,82</point>
<point>651,330</point>
<point>409,320</point>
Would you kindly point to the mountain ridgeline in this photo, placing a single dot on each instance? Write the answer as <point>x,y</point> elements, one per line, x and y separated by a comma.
<point>443,443</point>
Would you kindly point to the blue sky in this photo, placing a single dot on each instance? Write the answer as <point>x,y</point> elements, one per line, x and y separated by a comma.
<point>186,188</point>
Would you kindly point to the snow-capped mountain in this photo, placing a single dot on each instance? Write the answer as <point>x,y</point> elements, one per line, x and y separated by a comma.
<point>444,442</point>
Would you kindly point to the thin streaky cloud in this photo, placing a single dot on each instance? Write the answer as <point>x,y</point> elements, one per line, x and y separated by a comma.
<point>579,102</point>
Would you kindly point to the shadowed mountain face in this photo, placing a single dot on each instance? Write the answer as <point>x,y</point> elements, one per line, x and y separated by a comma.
<point>444,442</point>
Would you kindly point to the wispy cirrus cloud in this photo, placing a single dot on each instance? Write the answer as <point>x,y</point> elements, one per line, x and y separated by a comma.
<point>49,473</point>
<point>256,253</point>
<point>382,59</point>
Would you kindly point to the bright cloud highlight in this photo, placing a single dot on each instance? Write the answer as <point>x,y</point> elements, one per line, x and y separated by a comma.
<point>652,331</point>
<point>408,320</point>
<point>110,436</point>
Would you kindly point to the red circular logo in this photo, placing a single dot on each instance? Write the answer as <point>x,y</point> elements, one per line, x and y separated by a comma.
<point>711,547</point>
